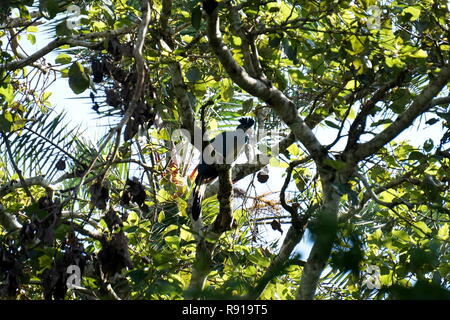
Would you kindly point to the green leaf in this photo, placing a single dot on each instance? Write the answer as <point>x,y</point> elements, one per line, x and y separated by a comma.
<point>274,162</point>
<point>258,259</point>
<point>196,17</point>
<point>24,13</point>
<point>227,90</point>
<point>247,105</point>
<point>275,40</point>
<point>63,59</point>
<point>357,45</point>
<point>281,80</point>
<point>34,211</point>
<point>293,149</point>
<point>332,124</point>
<point>45,262</point>
<point>418,54</point>
<point>401,235</point>
<point>416,155</point>
<point>7,92</point>
<point>78,80</point>
<point>5,125</point>
<point>33,29</point>
<point>443,232</point>
<point>413,11</point>
<point>172,240</point>
<point>137,275</point>
<point>31,38</point>
<point>61,231</point>
<point>193,75</point>
<point>421,228</point>
<point>290,50</point>
<point>428,145</point>
<point>161,216</point>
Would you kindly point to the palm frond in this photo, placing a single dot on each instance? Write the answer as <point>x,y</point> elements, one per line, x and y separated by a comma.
<point>43,141</point>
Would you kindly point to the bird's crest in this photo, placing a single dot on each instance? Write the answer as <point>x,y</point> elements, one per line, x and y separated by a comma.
<point>245,123</point>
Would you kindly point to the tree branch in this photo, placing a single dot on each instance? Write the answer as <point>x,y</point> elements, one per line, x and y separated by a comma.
<point>35,181</point>
<point>8,221</point>
<point>225,216</point>
<point>320,252</point>
<point>208,242</point>
<point>421,104</point>
<point>263,90</point>
<point>293,237</point>
<point>137,93</point>
<point>185,111</point>
<point>359,124</point>
<point>292,211</point>
<point>77,40</point>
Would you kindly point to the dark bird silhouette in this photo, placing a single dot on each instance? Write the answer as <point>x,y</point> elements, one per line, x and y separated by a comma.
<point>225,148</point>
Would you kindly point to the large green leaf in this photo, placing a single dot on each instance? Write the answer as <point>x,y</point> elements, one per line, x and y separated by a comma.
<point>63,58</point>
<point>5,125</point>
<point>7,93</point>
<point>78,80</point>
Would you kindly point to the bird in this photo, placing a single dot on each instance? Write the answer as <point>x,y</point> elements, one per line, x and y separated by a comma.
<point>224,148</point>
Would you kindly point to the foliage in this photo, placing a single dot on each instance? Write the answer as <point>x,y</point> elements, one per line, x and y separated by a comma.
<point>360,71</point>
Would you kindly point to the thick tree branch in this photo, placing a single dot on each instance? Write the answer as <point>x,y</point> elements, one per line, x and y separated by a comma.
<point>263,90</point>
<point>359,124</point>
<point>207,243</point>
<point>35,181</point>
<point>321,249</point>
<point>77,40</point>
<point>225,216</point>
<point>293,237</point>
<point>439,101</point>
<point>201,268</point>
<point>421,104</point>
<point>185,111</point>
<point>8,221</point>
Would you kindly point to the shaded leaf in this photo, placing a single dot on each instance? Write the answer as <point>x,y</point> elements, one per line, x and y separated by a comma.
<point>78,80</point>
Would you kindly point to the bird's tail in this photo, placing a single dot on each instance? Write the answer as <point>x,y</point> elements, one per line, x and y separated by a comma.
<point>199,191</point>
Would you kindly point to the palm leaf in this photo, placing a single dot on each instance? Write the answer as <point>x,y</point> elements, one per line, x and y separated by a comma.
<point>43,141</point>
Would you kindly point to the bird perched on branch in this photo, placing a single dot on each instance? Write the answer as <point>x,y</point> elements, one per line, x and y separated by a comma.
<point>223,149</point>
